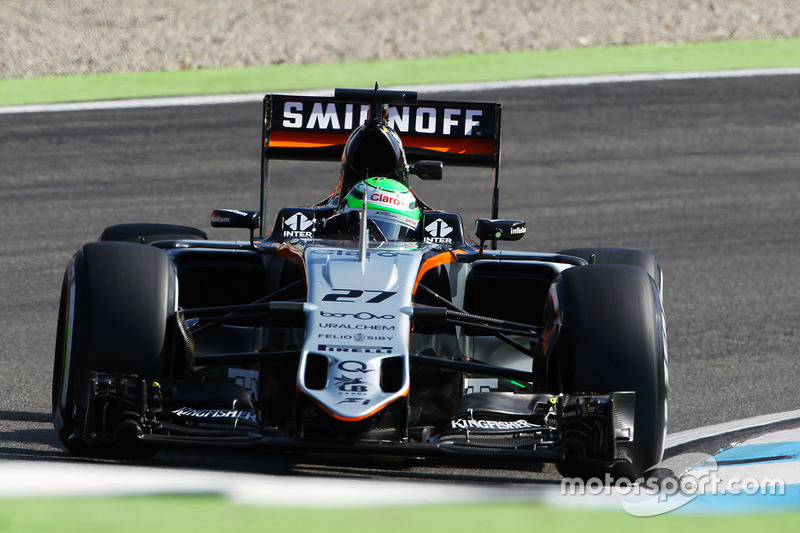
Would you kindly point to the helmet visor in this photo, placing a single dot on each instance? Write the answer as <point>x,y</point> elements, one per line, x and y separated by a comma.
<point>393,228</point>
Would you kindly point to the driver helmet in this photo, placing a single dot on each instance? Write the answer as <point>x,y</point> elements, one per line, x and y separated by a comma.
<point>391,206</point>
<point>373,149</point>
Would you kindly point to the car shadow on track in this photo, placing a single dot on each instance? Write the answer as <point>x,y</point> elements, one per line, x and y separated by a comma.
<point>29,436</point>
<point>417,469</point>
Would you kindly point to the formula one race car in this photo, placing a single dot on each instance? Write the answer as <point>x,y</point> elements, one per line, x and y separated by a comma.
<point>368,323</point>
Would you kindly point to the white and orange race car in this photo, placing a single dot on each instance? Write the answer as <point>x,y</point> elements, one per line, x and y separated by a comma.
<point>368,322</point>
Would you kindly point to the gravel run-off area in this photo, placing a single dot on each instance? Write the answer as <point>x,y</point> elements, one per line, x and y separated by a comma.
<point>62,37</point>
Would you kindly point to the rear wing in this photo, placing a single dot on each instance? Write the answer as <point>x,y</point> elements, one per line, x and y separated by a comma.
<point>316,128</point>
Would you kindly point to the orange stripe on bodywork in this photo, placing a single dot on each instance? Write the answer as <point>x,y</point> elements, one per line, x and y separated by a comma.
<point>291,253</point>
<point>435,261</point>
<point>292,139</point>
<point>443,144</point>
<point>357,418</point>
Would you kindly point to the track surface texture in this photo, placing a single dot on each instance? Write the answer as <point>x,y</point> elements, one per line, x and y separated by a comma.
<point>702,173</point>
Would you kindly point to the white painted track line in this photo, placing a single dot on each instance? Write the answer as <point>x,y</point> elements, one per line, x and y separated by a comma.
<point>28,479</point>
<point>717,430</point>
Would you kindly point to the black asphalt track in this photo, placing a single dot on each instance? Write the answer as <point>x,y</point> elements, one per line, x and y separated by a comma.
<point>703,173</point>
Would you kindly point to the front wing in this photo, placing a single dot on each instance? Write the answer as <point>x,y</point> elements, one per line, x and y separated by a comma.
<point>523,426</point>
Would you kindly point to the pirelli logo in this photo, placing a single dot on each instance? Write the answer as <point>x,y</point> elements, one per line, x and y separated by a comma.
<point>342,348</point>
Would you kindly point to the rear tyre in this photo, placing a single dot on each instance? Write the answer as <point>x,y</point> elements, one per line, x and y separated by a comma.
<point>145,233</point>
<point>611,337</point>
<point>116,301</point>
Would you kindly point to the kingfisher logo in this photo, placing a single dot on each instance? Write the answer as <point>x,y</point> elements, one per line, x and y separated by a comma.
<point>191,412</point>
<point>491,425</point>
<point>298,226</point>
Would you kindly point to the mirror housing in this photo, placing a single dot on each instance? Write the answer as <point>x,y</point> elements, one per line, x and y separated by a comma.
<point>487,229</point>
<point>234,218</point>
<point>427,170</point>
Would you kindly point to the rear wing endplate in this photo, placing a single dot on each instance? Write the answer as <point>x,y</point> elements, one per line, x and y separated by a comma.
<point>316,128</point>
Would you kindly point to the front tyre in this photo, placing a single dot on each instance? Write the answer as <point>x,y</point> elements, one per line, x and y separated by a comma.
<point>146,233</point>
<point>611,337</point>
<point>116,302</point>
<point>621,256</point>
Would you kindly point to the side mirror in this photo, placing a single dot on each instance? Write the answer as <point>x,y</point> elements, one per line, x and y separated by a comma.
<point>233,218</point>
<point>499,230</point>
<point>427,170</point>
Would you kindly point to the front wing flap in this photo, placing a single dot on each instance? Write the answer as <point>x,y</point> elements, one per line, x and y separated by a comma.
<point>525,426</point>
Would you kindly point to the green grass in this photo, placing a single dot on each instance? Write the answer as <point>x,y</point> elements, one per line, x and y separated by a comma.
<point>453,69</point>
<point>201,514</point>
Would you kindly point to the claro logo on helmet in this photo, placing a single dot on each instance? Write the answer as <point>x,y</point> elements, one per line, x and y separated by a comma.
<point>430,120</point>
<point>385,199</point>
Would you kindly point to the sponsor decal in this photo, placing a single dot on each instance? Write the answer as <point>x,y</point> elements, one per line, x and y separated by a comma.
<point>363,315</point>
<point>437,232</point>
<point>247,379</point>
<point>298,225</point>
<point>371,327</point>
<point>359,337</point>
<point>350,295</point>
<point>328,116</point>
<point>385,198</point>
<point>354,349</point>
<point>354,253</point>
<point>461,423</point>
<point>473,385</point>
<point>217,218</point>
<point>354,366</point>
<point>190,412</point>
<point>388,216</point>
<point>362,401</point>
<point>321,117</point>
<point>519,230</point>
<point>351,385</point>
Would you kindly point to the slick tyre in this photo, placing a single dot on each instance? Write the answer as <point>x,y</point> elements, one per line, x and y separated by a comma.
<point>621,256</point>
<point>145,233</point>
<point>611,337</point>
<point>116,301</point>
